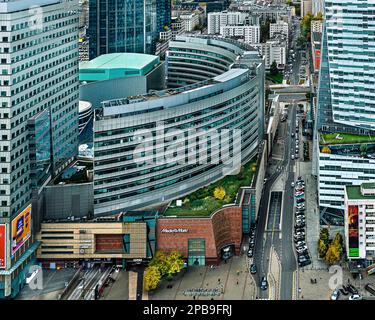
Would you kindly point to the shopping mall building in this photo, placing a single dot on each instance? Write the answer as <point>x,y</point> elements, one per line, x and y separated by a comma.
<point>145,147</point>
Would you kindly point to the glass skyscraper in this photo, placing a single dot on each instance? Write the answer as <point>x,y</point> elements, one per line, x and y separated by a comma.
<point>126,25</point>
<point>346,101</point>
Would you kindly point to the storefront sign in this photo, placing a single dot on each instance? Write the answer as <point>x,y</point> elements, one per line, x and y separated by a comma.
<point>2,245</point>
<point>21,229</point>
<point>177,230</point>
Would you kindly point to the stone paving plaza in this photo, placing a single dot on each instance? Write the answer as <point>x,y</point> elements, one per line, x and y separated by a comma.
<point>234,277</point>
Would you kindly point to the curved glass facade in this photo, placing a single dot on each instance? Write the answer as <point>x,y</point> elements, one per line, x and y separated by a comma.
<point>154,148</point>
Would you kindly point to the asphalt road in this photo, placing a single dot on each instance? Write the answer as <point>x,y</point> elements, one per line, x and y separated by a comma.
<point>264,239</point>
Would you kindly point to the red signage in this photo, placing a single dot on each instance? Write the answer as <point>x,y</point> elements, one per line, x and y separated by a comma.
<point>2,245</point>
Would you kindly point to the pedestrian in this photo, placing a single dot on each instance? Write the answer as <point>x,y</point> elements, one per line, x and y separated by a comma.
<point>237,282</point>
<point>218,280</point>
<point>194,297</point>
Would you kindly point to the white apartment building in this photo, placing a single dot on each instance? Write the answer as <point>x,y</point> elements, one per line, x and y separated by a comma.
<point>279,27</point>
<point>273,50</point>
<point>190,20</point>
<point>360,221</point>
<point>317,6</point>
<point>216,20</point>
<point>317,26</point>
<point>249,34</point>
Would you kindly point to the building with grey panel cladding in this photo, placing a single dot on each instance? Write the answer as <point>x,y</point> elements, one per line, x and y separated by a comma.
<point>232,100</point>
<point>67,200</point>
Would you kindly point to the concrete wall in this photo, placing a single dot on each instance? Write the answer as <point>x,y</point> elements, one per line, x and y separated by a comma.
<point>62,201</point>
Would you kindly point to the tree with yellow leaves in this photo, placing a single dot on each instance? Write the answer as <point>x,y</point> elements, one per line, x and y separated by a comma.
<point>219,193</point>
<point>151,278</point>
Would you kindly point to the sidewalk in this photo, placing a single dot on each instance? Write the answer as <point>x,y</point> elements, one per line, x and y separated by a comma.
<point>232,278</point>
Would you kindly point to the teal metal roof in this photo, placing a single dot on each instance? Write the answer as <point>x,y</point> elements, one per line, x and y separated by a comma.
<point>117,65</point>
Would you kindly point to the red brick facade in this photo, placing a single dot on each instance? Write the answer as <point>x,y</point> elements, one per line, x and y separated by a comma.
<point>108,242</point>
<point>221,229</point>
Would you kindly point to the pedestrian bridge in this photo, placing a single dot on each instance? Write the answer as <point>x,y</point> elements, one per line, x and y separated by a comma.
<point>290,89</point>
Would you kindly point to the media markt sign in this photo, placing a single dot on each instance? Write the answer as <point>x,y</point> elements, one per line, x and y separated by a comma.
<point>177,230</point>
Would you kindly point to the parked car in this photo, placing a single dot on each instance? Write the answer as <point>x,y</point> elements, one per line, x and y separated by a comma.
<point>300,200</point>
<point>253,269</point>
<point>292,184</point>
<point>264,283</point>
<point>335,295</point>
<point>355,297</point>
<point>304,263</point>
<point>301,243</point>
<point>250,253</point>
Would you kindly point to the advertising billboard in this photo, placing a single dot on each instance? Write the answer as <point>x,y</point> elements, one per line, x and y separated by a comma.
<point>353,231</point>
<point>3,229</point>
<point>21,229</point>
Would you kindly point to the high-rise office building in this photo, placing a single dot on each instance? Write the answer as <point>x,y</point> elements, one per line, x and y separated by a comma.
<point>345,121</point>
<point>38,119</point>
<point>126,26</point>
<point>347,83</point>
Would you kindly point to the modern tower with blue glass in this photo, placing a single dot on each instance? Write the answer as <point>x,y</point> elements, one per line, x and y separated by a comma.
<point>126,26</point>
<point>345,122</point>
<point>347,84</point>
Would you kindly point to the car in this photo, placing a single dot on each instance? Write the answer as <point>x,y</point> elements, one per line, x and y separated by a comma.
<point>304,263</point>
<point>300,215</point>
<point>355,297</point>
<point>299,193</point>
<point>293,134</point>
<point>300,238</point>
<point>252,242</point>
<point>302,253</point>
<point>301,209</point>
<point>301,243</point>
<point>253,269</point>
<point>302,259</point>
<point>299,225</point>
<point>264,283</point>
<point>292,184</point>
<point>299,232</point>
<point>250,253</point>
<point>292,156</point>
<point>300,200</point>
<point>299,221</point>
<point>300,206</point>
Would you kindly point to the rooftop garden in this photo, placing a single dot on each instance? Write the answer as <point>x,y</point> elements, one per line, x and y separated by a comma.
<point>344,138</point>
<point>206,200</point>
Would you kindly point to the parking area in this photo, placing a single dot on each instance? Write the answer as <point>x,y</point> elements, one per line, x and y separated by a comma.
<point>228,281</point>
<point>322,288</point>
<point>54,282</point>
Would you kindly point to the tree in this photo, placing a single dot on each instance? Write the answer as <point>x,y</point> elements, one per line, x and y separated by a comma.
<point>333,254</point>
<point>326,150</point>
<point>219,193</point>
<point>339,240</point>
<point>160,261</point>
<point>175,262</point>
<point>274,71</point>
<point>322,248</point>
<point>363,149</point>
<point>151,278</point>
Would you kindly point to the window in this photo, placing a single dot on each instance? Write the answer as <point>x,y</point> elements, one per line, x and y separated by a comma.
<point>196,252</point>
